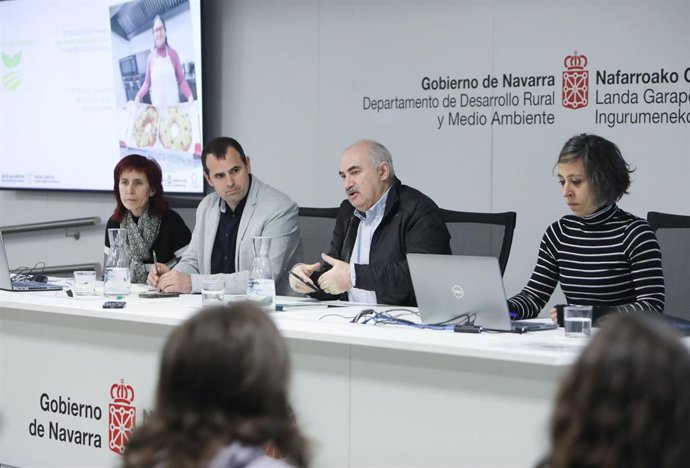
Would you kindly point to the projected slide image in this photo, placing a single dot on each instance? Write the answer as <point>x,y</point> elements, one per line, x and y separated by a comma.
<point>156,87</point>
<point>171,128</point>
<point>99,80</point>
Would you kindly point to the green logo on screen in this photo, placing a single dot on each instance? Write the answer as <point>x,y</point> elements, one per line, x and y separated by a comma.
<point>10,77</point>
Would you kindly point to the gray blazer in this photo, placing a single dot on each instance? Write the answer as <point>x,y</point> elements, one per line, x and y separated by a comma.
<point>268,212</point>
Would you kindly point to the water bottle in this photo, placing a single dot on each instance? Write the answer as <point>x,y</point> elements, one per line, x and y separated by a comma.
<point>261,288</point>
<point>116,281</point>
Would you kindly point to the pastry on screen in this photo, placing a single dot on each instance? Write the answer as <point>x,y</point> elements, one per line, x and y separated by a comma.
<point>176,129</point>
<point>146,126</point>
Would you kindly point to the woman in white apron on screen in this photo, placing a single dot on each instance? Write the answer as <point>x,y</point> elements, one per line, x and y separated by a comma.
<point>164,74</point>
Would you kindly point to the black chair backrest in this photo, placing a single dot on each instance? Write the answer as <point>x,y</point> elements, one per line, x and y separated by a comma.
<point>673,233</point>
<point>316,226</point>
<point>481,234</point>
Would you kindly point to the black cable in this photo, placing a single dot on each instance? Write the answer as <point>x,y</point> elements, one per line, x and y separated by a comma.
<point>385,318</point>
<point>402,309</point>
<point>20,273</point>
<point>362,313</point>
<point>336,315</point>
<point>24,273</point>
<point>469,319</point>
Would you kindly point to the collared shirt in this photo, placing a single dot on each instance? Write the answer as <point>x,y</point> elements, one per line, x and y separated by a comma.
<point>223,253</point>
<point>369,221</point>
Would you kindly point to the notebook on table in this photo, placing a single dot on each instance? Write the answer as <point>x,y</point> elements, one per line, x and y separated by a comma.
<point>460,289</point>
<point>6,283</point>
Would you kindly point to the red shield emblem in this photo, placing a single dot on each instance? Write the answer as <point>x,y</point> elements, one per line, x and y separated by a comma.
<point>121,416</point>
<point>575,82</point>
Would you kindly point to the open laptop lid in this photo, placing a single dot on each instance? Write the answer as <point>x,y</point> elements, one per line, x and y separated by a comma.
<point>452,288</point>
<point>6,279</point>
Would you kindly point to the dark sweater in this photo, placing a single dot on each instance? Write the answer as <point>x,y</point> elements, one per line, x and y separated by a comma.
<point>610,258</point>
<point>173,235</point>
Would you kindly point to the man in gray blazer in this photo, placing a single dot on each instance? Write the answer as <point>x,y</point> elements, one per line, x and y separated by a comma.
<point>241,208</point>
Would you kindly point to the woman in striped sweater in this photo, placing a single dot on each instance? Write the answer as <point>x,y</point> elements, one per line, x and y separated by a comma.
<point>601,255</point>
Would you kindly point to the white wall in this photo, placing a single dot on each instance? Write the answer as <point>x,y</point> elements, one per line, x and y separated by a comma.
<point>52,247</point>
<point>299,70</point>
<point>286,78</point>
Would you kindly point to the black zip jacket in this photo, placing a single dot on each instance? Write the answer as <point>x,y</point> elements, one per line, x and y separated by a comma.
<point>411,223</point>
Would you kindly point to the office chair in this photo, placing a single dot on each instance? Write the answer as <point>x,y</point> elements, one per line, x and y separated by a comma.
<point>673,234</point>
<point>316,227</point>
<point>481,234</point>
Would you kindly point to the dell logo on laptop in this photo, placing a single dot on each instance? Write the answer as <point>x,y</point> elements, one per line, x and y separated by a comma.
<point>458,292</point>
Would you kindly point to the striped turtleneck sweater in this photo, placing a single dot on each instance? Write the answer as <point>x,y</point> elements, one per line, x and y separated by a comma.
<point>609,258</point>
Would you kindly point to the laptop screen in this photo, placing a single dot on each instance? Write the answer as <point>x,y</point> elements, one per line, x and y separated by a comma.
<point>5,280</point>
<point>6,283</point>
<point>459,289</point>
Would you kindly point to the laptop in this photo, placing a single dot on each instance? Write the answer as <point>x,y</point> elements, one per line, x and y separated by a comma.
<point>459,289</point>
<point>6,283</point>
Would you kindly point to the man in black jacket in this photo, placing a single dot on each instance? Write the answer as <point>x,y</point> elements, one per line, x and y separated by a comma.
<point>379,223</point>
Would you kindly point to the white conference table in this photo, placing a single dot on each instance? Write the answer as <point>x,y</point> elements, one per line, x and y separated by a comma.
<point>365,395</point>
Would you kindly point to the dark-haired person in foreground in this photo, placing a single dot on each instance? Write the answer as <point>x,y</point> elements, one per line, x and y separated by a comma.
<point>626,401</point>
<point>241,207</point>
<point>222,396</point>
<point>144,212</point>
<point>601,255</point>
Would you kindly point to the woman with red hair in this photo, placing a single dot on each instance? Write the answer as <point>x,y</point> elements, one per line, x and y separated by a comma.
<point>146,215</point>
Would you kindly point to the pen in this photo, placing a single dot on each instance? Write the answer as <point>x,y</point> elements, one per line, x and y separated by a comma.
<point>155,261</point>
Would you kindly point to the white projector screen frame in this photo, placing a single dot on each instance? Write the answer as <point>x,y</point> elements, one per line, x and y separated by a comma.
<point>65,73</point>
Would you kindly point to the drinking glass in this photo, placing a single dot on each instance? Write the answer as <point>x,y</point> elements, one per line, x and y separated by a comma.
<point>578,321</point>
<point>212,292</point>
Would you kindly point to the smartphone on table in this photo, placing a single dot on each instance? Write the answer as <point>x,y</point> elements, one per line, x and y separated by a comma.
<point>313,287</point>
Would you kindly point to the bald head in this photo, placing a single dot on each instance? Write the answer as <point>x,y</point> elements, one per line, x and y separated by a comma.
<point>376,152</point>
<point>366,169</point>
